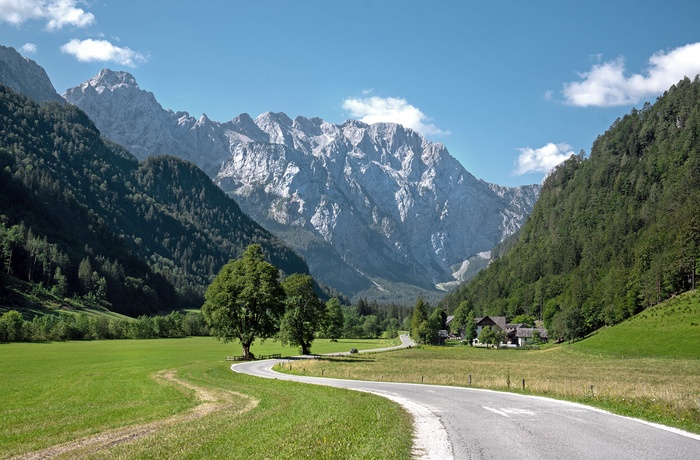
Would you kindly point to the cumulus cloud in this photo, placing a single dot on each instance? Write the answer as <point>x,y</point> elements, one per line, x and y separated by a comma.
<point>543,159</point>
<point>29,48</point>
<point>56,13</point>
<point>394,110</point>
<point>101,50</point>
<point>606,85</point>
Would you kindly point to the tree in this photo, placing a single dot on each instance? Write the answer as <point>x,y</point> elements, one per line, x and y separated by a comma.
<point>420,315</point>
<point>491,336</point>
<point>60,287</point>
<point>245,300</point>
<point>304,313</point>
<point>333,327</point>
<point>11,325</point>
<point>470,328</point>
<point>460,319</point>
<point>370,326</point>
<point>435,323</point>
<point>527,320</point>
<point>574,324</point>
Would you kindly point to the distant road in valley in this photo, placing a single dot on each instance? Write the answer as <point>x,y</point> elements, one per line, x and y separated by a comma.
<point>467,423</point>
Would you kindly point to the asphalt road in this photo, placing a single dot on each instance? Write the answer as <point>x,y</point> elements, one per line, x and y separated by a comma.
<point>466,423</point>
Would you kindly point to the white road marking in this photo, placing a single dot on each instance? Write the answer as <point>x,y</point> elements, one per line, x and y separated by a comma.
<point>507,412</point>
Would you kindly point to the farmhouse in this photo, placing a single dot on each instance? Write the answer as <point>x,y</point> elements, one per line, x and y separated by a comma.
<point>527,335</point>
<point>493,321</point>
<point>516,334</point>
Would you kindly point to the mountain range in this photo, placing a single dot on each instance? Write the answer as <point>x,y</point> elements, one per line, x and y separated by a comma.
<point>376,210</point>
<point>80,214</point>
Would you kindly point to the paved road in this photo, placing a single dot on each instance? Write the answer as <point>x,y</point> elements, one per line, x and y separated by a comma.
<point>466,423</point>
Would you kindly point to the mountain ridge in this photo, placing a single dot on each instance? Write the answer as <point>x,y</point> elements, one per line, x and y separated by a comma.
<point>358,201</point>
<point>135,236</point>
<point>26,76</point>
<point>613,233</point>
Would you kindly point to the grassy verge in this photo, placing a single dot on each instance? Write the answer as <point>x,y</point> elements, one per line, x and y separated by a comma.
<point>656,389</point>
<point>60,392</point>
<point>668,330</point>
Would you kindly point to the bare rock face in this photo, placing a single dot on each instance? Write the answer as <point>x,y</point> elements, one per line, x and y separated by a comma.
<point>26,76</point>
<point>376,210</point>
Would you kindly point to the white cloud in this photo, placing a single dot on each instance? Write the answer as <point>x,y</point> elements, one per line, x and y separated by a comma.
<point>29,48</point>
<point>541,160</point>
<point>606,85</point>
<point>101,50</point>
<point>57,13</point>
<point>394,110</point>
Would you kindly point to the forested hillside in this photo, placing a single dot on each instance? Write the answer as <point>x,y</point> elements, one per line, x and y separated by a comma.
<point>80,216</point>
<point>611,234</point>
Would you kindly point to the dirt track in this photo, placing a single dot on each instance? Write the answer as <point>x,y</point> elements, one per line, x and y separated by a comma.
<point>209,401</point>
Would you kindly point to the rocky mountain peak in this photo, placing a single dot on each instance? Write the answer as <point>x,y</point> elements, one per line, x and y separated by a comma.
<point>26,77</point>
<point>110,80</point>
<point>376,210</point>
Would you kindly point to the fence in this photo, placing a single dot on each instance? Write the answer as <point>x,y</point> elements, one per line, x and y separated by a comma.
<point>242,358</point>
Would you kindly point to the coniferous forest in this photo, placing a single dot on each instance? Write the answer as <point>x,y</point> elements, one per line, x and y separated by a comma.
<point>82,217</point>
<point>612,233</point>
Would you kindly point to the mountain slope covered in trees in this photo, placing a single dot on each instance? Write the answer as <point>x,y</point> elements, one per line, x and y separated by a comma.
<point>83,216</point>
<point>611,234</point>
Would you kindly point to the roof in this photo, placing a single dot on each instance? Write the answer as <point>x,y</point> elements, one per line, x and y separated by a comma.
<point>449,319</point>
<point>526,332</point>
<point>499,321</point>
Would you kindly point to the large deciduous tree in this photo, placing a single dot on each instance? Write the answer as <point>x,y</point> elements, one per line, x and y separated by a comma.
<point>304,313</point>
<point>245,300</point>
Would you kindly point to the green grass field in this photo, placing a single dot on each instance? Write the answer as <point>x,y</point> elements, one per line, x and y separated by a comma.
<point>670,329</point>
<point>114,399</point>
<point>56,393</point>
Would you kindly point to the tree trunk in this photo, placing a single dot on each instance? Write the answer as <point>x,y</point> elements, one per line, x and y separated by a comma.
<point>246,350</point>
<point>305,349</point>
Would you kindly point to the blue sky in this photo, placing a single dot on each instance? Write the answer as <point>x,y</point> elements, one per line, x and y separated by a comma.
<point>509,87</point>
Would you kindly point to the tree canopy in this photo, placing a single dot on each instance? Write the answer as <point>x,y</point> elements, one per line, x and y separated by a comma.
<point>245,301</point>
<point>304,314</point>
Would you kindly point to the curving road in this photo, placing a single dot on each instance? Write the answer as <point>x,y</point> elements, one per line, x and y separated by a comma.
<point>467,423</point>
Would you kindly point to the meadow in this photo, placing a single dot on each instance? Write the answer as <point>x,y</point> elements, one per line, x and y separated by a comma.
<point>646,367</point>
<point>176,398</point>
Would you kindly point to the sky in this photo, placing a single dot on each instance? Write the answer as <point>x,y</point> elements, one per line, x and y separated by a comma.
<point>511,88</point>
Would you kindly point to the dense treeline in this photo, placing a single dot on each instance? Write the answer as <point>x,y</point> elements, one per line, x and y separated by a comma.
<point>80,326</point>
<point>82,217</point>
<point>361,320</point>
<point>611,234</point>
<point>371,319</point>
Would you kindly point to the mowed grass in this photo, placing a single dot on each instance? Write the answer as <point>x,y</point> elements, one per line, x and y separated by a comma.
<point>647,367</point>
<point>55,393</point>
